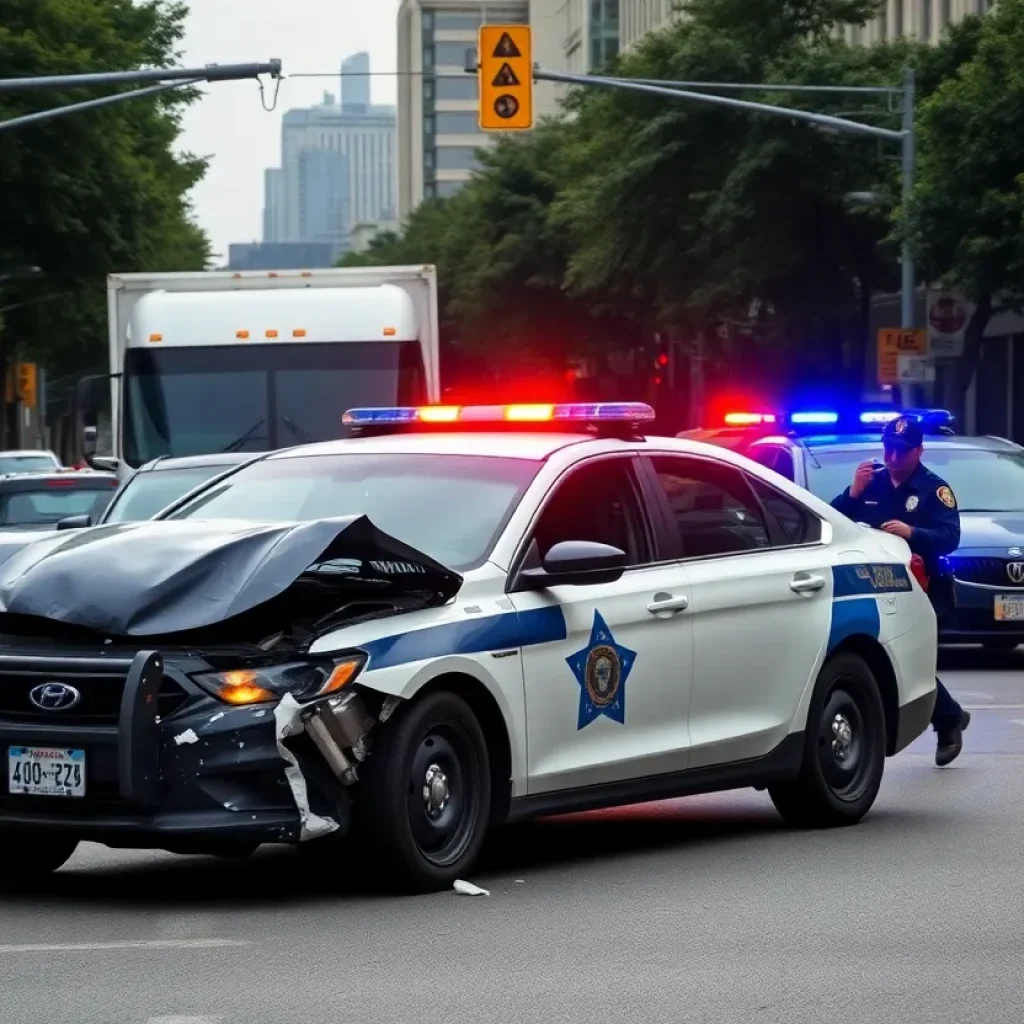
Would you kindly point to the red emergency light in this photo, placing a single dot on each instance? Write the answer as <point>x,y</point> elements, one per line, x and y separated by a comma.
<point>748,419</point>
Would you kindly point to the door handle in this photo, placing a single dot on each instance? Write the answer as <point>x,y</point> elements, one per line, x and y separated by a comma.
<point>806,584</point>
<point>668,603</point>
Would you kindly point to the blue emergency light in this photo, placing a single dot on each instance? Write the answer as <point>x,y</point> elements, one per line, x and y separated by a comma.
<point>525,413</point>
<point>811,420</point>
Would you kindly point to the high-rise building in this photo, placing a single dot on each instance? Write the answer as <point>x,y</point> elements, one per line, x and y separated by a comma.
<point>917,19</point>
<point>338,164</point>
<point>355,83</point>
<point>438,130</point>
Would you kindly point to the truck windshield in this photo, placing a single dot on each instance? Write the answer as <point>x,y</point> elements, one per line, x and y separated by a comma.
<point>250,398</point>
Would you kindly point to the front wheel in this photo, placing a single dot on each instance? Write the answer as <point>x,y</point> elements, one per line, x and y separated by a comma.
<point>423,802</point>
<point>844,750</point>
<point>25,859</point>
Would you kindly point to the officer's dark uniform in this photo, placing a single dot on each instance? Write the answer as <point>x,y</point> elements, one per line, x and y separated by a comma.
<point>925,503</point>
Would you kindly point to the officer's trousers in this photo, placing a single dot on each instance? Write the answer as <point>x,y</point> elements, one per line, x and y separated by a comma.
<point>946,715</point>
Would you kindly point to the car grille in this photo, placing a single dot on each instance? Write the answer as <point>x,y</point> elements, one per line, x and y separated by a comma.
<point>991,572</point>
<point>100,702</point>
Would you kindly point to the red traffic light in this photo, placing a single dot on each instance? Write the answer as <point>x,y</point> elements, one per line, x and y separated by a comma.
<point>663,359</point>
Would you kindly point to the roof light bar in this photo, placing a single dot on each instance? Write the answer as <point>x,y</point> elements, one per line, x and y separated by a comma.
<point>597,412</point>
<point>814,417</point>
<point>748,419</point>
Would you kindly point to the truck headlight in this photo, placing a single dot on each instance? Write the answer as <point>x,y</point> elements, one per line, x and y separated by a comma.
<point>304,680</point>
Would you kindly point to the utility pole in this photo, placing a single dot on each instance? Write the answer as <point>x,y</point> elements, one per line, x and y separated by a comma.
<point>164,79</point>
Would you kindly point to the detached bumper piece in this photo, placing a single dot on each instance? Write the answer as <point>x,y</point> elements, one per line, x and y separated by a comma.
<point>163,765</point>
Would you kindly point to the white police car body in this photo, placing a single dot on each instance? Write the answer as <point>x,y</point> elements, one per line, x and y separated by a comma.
<point>632,618</point>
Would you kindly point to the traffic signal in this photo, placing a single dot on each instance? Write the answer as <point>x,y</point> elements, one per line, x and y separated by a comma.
<point>27,384</point>
<point>661,360</point>
<point>506,78</point>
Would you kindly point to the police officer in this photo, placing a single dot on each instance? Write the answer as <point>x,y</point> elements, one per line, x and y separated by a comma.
<point>907,499</point>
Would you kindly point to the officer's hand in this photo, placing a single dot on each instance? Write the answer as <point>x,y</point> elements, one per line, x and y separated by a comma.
<point>863,475</point>
<point>894,526</point>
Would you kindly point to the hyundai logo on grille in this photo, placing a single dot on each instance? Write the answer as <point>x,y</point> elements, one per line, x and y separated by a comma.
<point>1015,570</point>
<point>54,696</point>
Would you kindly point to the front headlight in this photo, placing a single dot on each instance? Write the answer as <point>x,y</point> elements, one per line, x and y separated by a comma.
<point>304,680</point>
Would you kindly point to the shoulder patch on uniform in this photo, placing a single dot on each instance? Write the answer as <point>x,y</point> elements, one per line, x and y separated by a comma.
<point>945,495</point>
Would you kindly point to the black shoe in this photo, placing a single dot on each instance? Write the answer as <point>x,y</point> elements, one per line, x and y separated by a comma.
<point>951,742</point>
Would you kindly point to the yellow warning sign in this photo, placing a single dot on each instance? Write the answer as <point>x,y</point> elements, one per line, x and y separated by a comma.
<point>506,78</point>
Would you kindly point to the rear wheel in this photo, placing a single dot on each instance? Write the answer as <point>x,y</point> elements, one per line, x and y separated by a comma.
<point>423,802</point>
<point>27,858</point>
<point>844,750</point>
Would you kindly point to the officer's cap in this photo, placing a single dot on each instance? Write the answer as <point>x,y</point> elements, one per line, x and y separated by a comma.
<point>903,432</point>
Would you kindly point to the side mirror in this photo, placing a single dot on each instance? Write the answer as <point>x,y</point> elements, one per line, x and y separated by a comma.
<point>74,522</point>
<point>89,442</point>
<point>104,463</point>
<point>577,563</point>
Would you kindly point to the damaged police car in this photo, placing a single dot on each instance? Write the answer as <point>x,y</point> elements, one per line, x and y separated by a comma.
<point>463,617</point>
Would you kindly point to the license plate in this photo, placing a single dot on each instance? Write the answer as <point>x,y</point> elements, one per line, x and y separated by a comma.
<point>1009,607</point>
<point>45,771</point>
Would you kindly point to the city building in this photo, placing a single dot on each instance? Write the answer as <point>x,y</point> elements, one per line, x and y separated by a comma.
<point>917,19</point>
<point>438,131</point>
<point>363,234</point>
<point>338,166</point>
<point>279,256</point>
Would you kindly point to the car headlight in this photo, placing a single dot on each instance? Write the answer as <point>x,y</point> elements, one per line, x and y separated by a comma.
<point>304,680</point>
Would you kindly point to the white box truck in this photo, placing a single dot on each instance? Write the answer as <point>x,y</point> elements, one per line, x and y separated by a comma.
<point>252,361</point>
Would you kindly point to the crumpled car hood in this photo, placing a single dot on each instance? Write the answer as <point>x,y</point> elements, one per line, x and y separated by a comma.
<point>154,578</point>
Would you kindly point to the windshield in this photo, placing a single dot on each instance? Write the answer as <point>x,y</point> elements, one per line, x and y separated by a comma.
<point>983,481</point>
<point>27,464</point>
<point>145,494</point>
<point>450,507</point>
<point>254,398</point>
<point>48,505</point>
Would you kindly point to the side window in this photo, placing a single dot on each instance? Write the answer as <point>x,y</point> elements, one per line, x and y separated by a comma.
<point>597,502</point>
<point>784,464</point>
<point>712,505</point>
<point>798,525</point>
<point>765,454</point>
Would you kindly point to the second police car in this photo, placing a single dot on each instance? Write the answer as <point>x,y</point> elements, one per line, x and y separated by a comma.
<point>820,449</point>
<point>466,616</point>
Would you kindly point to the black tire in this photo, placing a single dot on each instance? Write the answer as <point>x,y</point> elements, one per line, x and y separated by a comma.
<point>414,848</point>
<point>841,772</point>
<point>25,859</point>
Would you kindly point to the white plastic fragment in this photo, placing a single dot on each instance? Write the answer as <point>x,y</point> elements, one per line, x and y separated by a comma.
<point>188,736</point>
<point>469,889</point>
<point>218,716</point>
<point>288,723</point>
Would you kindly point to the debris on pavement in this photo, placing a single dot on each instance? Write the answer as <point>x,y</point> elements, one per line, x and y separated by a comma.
<point>469,889</point>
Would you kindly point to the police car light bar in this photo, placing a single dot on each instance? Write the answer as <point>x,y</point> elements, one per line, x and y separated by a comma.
<point>748,419</point>
<point>596,412</point>
<point>814,417</point>
<point>933,418</point>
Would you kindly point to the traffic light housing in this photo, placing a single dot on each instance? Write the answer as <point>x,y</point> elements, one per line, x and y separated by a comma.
<point>27,385</point>
<point>505,78</point>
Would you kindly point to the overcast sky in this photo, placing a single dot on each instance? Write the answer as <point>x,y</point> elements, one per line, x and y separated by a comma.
<point>230,125</point>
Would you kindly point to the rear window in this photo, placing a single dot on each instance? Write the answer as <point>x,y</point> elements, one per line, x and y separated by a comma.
<point>49,504</point>
<point>26,464</point>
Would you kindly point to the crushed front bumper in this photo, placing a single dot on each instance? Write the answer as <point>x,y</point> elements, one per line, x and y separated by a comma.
<point>166,766</point>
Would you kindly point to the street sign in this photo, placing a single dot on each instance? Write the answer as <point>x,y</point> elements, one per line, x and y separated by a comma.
<point>894,342</point>
<point>27,384</point>
<point>948,314</point>
<point>916,369</point>
<point>506,78</point>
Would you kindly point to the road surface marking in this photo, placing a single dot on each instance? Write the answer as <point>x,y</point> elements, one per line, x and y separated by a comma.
<point>74,947</point>
<point>184,1020</point>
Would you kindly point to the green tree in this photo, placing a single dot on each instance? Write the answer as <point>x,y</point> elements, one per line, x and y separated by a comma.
<point>91,193</point>
<point>966,220</point>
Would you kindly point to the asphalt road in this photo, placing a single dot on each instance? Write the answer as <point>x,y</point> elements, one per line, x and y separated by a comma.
<point>696,910</point>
